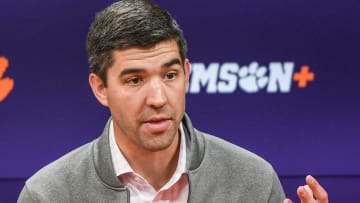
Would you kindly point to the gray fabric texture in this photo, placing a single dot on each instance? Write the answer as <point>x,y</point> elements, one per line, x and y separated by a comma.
<point>218,171</point>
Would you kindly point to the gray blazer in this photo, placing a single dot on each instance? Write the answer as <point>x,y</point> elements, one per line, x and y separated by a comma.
<point>218,171</point>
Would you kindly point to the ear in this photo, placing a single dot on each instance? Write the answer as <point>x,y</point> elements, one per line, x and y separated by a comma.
<point>187,72</point>
<point>98,87</point>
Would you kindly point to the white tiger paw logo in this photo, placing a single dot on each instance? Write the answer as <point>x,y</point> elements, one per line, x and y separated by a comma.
<point>252,77</point>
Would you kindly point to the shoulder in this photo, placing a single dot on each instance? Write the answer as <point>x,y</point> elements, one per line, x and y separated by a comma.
<point>232,154</point>
<point>63,172</point>
<point>65,164</point>
<point>233,162</point>
<point>232,168</point>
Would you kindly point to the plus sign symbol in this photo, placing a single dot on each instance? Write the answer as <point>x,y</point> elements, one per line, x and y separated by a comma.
<point>6,84</point>
<point>304,76</point>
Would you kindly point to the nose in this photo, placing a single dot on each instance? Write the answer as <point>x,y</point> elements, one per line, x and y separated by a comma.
<point>156,95</point>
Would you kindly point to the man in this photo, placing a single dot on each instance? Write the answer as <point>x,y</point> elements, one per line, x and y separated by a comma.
<point>149,150</point>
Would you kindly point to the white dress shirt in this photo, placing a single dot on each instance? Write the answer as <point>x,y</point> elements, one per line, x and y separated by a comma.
<point>176,190</point>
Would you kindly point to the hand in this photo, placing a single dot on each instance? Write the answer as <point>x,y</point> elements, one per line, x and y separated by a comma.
<point>313,192</point>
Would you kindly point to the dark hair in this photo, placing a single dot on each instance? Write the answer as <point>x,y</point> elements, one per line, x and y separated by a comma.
<point>129,23</point>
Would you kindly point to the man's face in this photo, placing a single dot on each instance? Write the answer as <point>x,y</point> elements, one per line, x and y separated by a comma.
<point>146,95</point>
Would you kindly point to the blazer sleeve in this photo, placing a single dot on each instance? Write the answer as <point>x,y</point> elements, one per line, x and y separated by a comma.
<point>277,193</point>
<point>25,196</point>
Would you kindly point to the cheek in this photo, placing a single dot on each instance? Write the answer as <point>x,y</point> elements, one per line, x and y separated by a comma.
<point>120,103</point>
<point>177,96</point>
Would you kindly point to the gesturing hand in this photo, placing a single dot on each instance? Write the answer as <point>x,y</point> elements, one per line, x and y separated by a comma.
<point>313,192</point>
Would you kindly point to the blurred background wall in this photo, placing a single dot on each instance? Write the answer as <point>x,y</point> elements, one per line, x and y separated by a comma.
<point>279,78</point>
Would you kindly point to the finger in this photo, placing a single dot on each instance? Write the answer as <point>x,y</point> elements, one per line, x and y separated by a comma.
<point>308,189</point>
<point>319,192</point>
<point>288,201</point>
<point>304,195</point>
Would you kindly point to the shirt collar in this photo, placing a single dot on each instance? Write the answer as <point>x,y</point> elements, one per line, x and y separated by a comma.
<point>121,165</point>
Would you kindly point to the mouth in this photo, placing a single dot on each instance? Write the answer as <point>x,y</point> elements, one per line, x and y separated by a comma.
<point>157,124</point>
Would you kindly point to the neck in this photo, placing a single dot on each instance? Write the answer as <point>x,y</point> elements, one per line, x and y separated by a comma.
<point>157,167</point>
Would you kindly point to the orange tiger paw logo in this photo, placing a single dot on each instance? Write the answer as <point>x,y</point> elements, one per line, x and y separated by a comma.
<point>6,84</point>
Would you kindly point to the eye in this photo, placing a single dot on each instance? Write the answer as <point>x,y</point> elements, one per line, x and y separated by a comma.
<point>134,81</point>
<point>170,75</point>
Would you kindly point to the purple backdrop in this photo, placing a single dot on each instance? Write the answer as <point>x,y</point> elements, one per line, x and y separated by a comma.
<point>314,130</point>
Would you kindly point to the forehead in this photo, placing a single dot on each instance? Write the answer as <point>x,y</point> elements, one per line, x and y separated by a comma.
<point>154,55</point>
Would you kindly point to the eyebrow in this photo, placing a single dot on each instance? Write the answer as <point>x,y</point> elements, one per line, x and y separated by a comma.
<point>172,62</point>
<point>140,70</point>
<point>130,71</point>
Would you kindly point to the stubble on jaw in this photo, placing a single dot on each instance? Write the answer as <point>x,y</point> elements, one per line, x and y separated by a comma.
<point>153,142</point>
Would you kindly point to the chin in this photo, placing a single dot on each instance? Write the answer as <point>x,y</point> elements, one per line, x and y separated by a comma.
<point>158,142</point>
